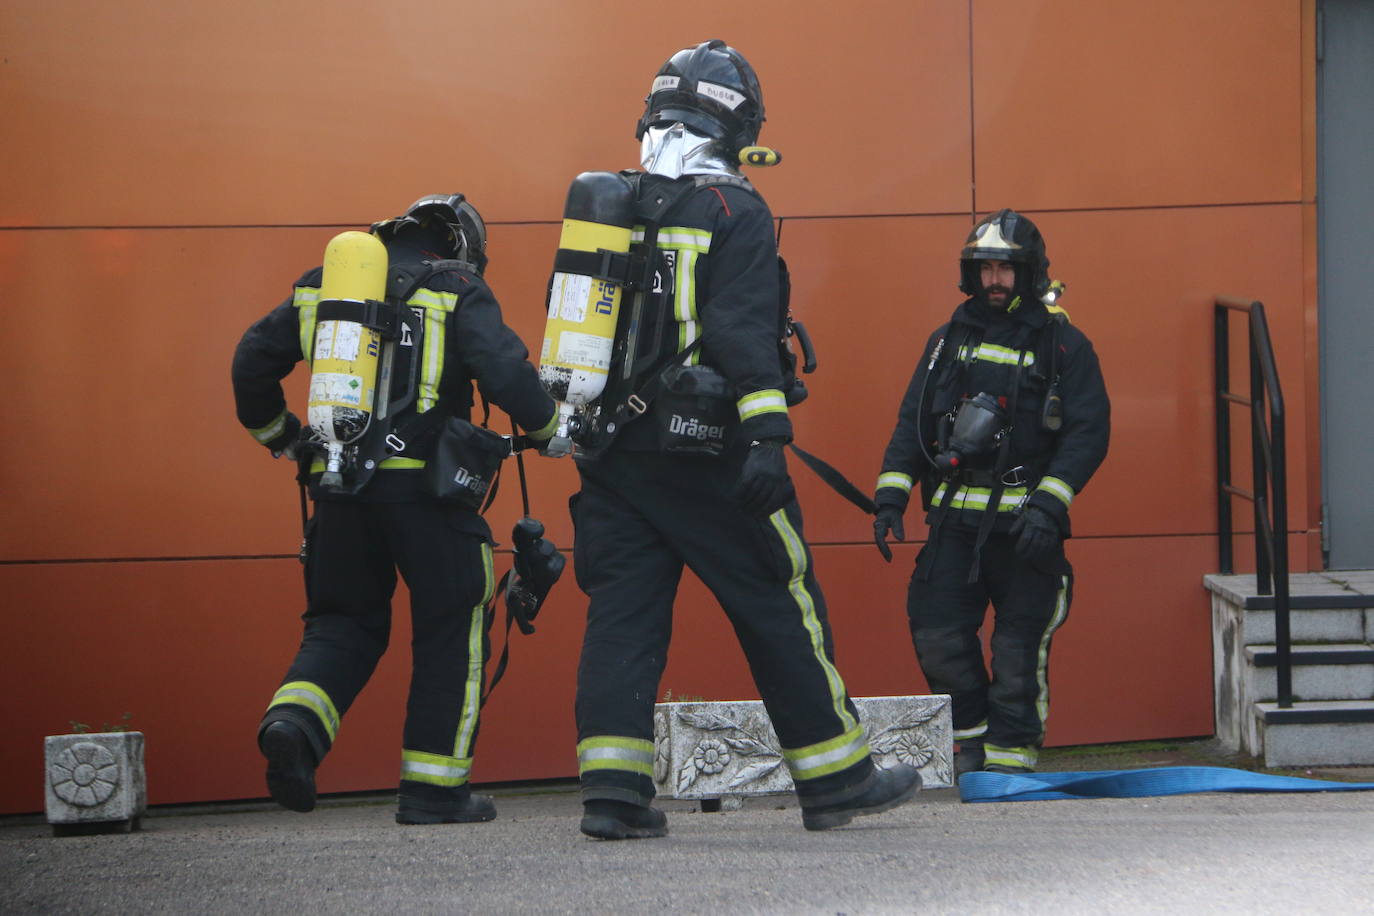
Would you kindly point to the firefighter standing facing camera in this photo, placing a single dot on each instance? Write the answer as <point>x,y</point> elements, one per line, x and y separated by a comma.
<point>681,456</point>
<point>397,325</point>
<point>1004,421</point>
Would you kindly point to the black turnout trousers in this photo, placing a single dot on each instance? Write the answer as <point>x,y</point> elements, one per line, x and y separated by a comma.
<point>1007,708</point>
<point>640,517</point>
<point>355,550</point>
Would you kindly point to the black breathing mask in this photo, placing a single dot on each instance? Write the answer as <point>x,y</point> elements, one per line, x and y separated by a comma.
<point>977,427</point>
<point>538,564</point>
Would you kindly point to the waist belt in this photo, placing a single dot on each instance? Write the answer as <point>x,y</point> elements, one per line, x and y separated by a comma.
<point>1018,476</point>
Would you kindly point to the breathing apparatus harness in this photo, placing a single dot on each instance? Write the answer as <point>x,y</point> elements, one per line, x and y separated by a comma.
<point>537,562</point>
<point>983,424</point>
<point>640,372</point>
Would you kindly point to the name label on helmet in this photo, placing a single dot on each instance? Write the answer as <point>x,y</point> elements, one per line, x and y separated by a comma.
<point>722,94</point>
<point>665,82</point>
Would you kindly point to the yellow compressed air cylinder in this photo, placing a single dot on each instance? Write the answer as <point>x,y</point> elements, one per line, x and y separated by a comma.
<point>344,358</point>
<point>583,309</point>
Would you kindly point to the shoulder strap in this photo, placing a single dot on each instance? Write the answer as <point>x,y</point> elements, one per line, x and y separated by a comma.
<point>729,181</point>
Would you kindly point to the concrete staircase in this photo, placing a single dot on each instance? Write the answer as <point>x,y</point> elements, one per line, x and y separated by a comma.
<point>1331,625</point>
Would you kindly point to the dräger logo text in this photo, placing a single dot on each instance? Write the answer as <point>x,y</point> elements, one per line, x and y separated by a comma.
<point>692,428</point>
<point>468,480</point>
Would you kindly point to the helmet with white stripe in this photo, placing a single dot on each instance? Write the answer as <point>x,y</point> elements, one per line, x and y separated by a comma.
<point>711,89</point>
<point>1006,236</point>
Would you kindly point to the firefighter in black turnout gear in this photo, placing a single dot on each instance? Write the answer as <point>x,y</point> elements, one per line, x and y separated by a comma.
<point>449,333</point>
<point>709,492</point>
<point>1004,421</point>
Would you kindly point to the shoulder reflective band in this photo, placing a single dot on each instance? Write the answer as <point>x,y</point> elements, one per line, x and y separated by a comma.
<point>265,434</point>
<point>436,307</point>
<point>992,787</point>
<point>895,480</point>
<point>305,299</point>
<point>312,697</point>
<point>992,353</point>
<point>817,760</point>
<point>768,400</point>
<point>611,752</point>
<point>1058,489</point>
<point>684,239</point>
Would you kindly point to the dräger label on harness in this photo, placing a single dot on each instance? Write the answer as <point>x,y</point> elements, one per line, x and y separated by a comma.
<point>695,413</point>
<point>693,428</point>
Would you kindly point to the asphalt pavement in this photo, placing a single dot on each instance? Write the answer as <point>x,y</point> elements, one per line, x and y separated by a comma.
<point>1208,853</point>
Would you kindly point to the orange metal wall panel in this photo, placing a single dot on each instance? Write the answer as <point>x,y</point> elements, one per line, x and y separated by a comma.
<point>1165,152</point>
<point>194,650</point>
<point>265,113</point>
<point>1120,104</point>
<point>136,346</point>
<point>1141,285</point>
<point>1130,663</point>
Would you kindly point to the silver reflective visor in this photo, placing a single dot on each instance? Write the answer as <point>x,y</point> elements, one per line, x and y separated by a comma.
<point>674,150</point>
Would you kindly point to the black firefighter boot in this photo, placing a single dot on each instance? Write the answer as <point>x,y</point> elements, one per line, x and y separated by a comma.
<point>290,765</point>
<point>616,820</point>
<point>890,787</point>
<point>462,807</point>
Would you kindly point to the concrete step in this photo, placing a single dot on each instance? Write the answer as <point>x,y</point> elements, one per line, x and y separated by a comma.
<point>1323,607</point>
<point>1310,625</point>
<point>1312,733</point>
<point>1332,671</point>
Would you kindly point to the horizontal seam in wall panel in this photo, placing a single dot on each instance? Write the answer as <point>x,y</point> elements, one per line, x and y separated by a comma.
<point>85,560</point>
<point>1077,537</point>
<point>813,216</point>
<point>69,562</point>
<point>340,226</point>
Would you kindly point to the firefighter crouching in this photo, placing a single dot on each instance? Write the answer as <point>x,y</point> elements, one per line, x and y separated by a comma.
<point>1004,421</point>
<point>397,473</point>
<point>681,460</point>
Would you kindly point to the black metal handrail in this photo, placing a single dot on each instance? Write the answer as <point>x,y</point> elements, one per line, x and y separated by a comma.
<point>1269,472</point>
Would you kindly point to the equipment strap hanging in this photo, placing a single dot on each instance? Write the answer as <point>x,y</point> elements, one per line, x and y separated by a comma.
<point>490,609</point>
<point>837,481</point>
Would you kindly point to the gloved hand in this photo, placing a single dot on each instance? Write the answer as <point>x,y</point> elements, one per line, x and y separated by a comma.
<point>889,519</point>
<point>764,485</point>
<point>288,442</point>
<point>1036,533</point>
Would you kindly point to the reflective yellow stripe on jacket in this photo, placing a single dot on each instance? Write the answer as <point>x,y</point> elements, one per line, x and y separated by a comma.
<point>977,498</point>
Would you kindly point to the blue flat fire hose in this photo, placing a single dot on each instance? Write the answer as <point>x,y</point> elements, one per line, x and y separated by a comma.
<point>994,787</point>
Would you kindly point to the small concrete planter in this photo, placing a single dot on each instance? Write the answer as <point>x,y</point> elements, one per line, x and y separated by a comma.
<point>720,751</point>
<point>94,782</point>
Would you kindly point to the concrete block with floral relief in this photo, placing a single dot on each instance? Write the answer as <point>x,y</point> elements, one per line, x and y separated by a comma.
<point>95,779</point>
<point>726,748</point>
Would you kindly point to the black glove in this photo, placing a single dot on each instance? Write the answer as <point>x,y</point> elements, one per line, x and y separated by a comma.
<point>286,443</point>
<point>1036,533</point>
<point>889,519</point>
<point>764,486</point>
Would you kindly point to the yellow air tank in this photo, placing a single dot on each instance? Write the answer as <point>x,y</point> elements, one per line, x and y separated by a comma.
<point>344,359</point>
<point>583,309</point>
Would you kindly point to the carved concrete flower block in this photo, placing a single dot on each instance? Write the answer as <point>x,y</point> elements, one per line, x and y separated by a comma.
<point>723,749</point>
<point>95,779</point>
